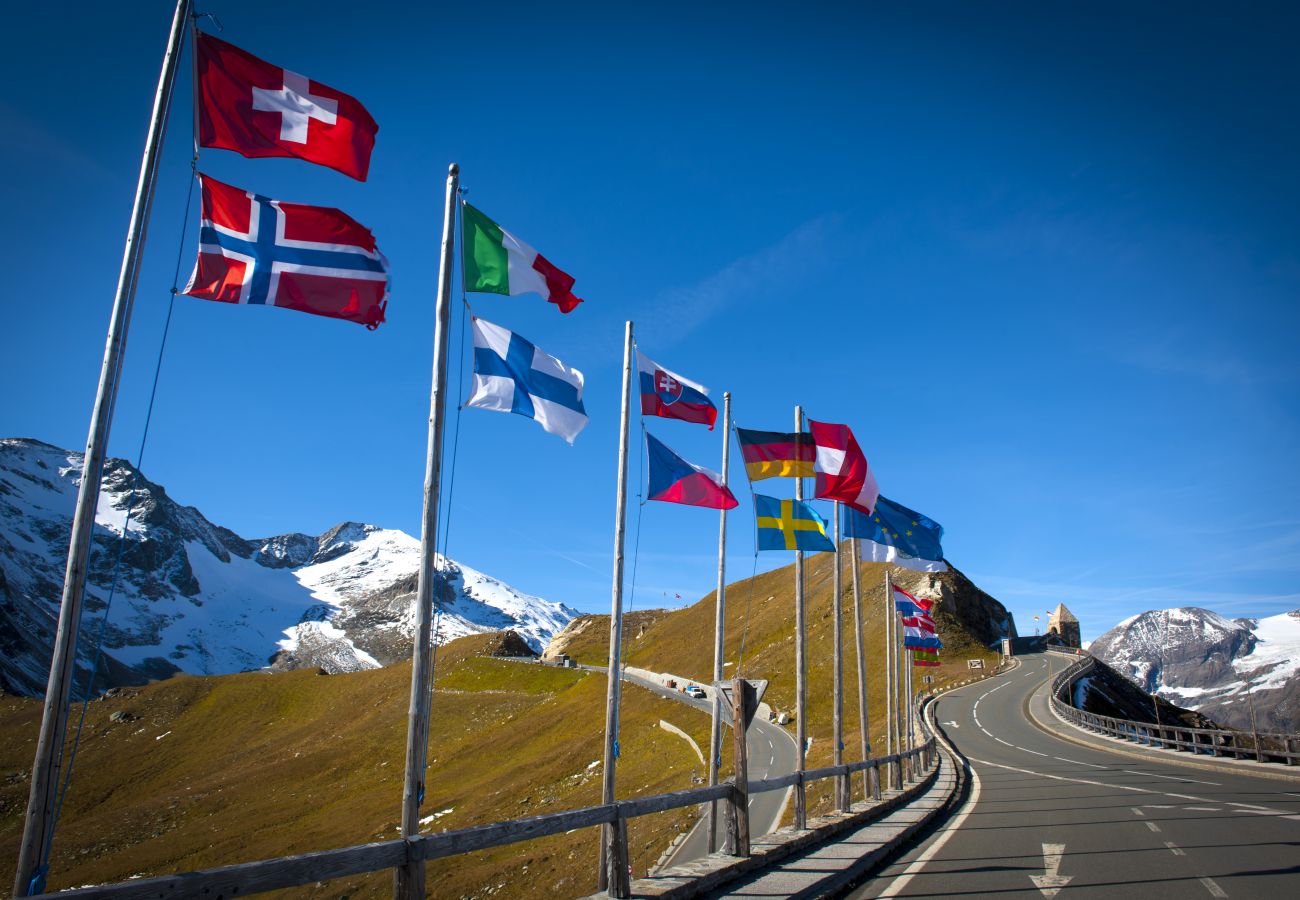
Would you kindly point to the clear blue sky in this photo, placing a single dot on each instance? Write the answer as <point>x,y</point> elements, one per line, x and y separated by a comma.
<point>1043,260</point>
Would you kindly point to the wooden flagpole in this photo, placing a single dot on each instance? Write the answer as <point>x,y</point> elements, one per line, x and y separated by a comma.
<point>38,823</point>
<point>837,722</point>
<point>889,674</point>
<point>719,622</point>
<point>871,777</point>
<point>408,880</point>
<point>800,670</point>
<point>613,851</point>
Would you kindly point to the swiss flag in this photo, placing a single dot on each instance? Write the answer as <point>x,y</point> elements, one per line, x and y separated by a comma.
<point>257,109</point>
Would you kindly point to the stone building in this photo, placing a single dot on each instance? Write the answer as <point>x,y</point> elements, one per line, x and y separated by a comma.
<point>1065,625</point>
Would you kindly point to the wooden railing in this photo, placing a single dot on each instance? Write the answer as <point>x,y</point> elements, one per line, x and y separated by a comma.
<point>309,868</point>
<point>1261,746</point>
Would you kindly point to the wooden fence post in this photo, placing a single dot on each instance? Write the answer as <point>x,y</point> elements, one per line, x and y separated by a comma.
<point>740,706</point>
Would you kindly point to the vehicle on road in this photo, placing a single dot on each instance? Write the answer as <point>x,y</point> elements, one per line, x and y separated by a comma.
<point>694,690</point>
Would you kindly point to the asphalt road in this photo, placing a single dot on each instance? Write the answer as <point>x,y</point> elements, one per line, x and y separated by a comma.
<point>771,753</point>
<point>1046,816</point>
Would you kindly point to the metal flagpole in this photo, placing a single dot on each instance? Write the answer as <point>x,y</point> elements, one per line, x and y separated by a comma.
<point>800,687</point>
<point>719,621</point>
<point>613,870</point>
<point>837,720</point>
<point>408,880</point>
<point>870,777</point>
<point>889,674</point>
<point>38,823</point>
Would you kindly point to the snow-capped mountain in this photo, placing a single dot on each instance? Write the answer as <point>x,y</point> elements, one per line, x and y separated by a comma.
<point>1203,661</point>
<point>194,597</point>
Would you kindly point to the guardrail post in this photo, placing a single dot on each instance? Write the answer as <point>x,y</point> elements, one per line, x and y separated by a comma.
<point>741,699</point>
<point>617,875</point>
<point>873,780</point>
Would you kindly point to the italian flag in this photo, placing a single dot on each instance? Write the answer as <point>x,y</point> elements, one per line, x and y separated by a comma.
<point>497,262</point>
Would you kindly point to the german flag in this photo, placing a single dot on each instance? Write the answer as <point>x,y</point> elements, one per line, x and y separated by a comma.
<point>777,454</point>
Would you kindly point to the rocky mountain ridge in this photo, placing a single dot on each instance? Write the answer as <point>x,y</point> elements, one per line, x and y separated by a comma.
<point>192,596</point>
<point>1217,666</point>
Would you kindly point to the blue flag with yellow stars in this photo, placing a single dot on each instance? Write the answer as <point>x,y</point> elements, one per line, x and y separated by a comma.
<point>789,525</point>
<point>897,535</point>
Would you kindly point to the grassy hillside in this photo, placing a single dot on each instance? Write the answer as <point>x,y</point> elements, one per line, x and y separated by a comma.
<point>760,612</point>
<point>212,771</point>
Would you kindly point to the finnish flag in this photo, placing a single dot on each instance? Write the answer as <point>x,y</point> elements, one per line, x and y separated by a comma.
<point>512,375</point>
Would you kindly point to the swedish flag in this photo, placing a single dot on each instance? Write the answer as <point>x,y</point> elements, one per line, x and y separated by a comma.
<point>789,525</point>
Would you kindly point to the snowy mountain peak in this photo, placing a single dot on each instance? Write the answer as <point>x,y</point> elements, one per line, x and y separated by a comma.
<point>192,596</point>
<point>1199,659</point>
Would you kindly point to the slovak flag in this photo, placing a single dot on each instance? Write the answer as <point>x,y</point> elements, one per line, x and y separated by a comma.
<point>258,109</point>
<point>670,396</point>
<point>265,252</point>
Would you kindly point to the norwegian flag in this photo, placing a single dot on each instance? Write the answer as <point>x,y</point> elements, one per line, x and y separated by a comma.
<point>258,109</point>
<point>267,252</point>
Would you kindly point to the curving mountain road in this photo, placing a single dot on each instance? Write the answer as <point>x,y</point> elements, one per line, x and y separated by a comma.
<point>771,753</point>
<point>1046,816</point>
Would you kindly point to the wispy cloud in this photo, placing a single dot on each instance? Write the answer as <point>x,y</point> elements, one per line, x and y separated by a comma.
<point>1177,354</point>
<point>676,312</point>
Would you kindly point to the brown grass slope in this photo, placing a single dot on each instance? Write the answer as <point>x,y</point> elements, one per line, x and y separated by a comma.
<point>760,613</point>
<point>214,771</point>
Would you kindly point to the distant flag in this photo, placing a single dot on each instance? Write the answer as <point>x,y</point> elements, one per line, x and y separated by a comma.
<point>674,480</point>
<point>841,468</point>
<point>897,535</point>
<point>512,375</point>
<point>922,658</point>
<point>789,525</point>
<point>909,604</point>
<point>497,262</point>
<point>258,110</point>
<point>670,396</point>
<point>263,252</point>
<point>776,454</point>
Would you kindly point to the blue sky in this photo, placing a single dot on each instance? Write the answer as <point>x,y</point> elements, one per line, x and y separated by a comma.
<point>1042,260</point>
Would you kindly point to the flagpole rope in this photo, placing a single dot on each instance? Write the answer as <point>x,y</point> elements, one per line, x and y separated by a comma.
<point>126,526</point>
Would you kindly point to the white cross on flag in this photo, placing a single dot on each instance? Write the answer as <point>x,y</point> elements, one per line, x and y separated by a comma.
<point>258,109</point>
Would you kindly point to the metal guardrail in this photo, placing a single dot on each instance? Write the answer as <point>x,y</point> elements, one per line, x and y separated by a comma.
<point>309,868</point>
<point>1262,746</point>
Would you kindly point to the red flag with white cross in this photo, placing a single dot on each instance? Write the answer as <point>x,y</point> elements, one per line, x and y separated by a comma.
<point>258,109</point>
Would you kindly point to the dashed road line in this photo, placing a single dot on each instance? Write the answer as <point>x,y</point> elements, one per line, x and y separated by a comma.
<point>1174,849</point>
<point>1027,750</point>
<point>1212,887</point>
<point>1000,741</point>
<point>1078,762</point>
<point>1153,826</point>
<point>1172,778</point>
<point>1137,811</point>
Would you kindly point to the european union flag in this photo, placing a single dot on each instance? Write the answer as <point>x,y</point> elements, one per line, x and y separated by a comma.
<point>789,525</point>
<point>897,535</point>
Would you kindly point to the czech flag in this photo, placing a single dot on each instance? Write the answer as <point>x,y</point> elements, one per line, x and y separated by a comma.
<point>674,480</point>
<point>670,396</point>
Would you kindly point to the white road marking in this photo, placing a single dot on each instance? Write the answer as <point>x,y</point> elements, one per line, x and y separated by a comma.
<point>772,760</point>
<point>1153,826</point>
<point>1248,805</point>
<point>1289,794</point>
<point>899,884</point>
<point>1051,881</point>
<point>1000,741</point>
<point>1214,889</point>
<point>1202,808</point>
<point>1174,849</point>
<point>1027,750</point>
<point>1137,811</point>
<point>1171,777</point>
<point>1077,762</point>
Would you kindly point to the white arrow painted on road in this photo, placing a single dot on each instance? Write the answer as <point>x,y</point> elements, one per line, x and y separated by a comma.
<point>1049,883</point>
<point>953,724</point>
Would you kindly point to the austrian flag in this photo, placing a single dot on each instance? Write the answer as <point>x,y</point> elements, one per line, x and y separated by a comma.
<point>841,466</point>
<point>258,110</point>
<point>267,252</point>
